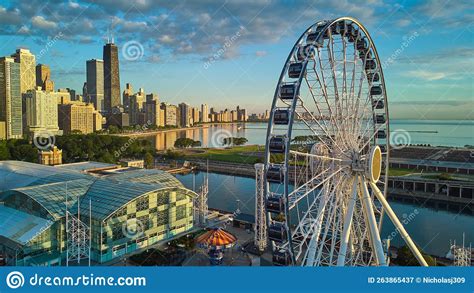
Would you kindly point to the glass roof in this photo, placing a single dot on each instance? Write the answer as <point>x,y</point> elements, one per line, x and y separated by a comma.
<point>47,186</point>
<point>20,226</point>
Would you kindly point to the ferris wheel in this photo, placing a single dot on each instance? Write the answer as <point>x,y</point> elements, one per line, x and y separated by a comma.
<point>327,152</point>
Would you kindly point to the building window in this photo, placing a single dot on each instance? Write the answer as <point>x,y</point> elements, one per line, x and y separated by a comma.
<point>117,232</point>
<point>161,199</point>
<point>180,212</point>
<point>162,218</point>
<point>142,204</point>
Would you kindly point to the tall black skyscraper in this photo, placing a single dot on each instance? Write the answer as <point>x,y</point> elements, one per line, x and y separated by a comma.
<point>111,77</point>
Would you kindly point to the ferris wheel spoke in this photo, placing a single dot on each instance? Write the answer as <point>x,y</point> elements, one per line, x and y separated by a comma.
<point>368,208</point>
<point>312,257</point>
<point>347,224</point>
<point>315,132</point>
<point>303,190</point>
<point>372,136</point>
<point>393,217</point>
<point>320,157</point>
<point>326,98</point>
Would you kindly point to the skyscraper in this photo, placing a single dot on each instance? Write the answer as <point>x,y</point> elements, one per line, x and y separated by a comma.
<point>184,115</point>
<point>111,77</point>
<point>204,113</point>
<point>27,69</point>
<point>95,83</point>
<point>10,99</point>
<point>152,110</point>
<point>40,112</point>
<point>127,93</point>
<point>170,113</point>
<point>43,78</point>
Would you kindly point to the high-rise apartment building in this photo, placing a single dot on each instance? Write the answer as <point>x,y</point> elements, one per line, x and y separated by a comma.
<point>111,77</point>
<point>10,99</point>
<point>76,116</point>
<point>204,117</point>
<point>40,112</point>
<point>170,111</point>
<point>195,115</point>
<point>184,115</point>
<point>152,110</point>
<point>127,93</point>
<point>27,63</point>
<point>43,78</point>
<point>95,83</point>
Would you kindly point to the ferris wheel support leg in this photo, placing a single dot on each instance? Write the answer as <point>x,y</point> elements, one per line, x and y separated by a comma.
<point>374,230</point>
<point>393,217</point>
<point>341,258</point>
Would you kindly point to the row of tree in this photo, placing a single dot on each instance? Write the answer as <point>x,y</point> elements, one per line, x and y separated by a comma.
<point>80,147</point>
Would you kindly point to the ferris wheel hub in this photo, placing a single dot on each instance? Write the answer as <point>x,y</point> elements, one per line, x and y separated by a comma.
<point>374,164</point>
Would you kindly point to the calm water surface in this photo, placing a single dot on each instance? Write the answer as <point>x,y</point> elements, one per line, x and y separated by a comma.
<point>430,228</point>
<point>433,132</point>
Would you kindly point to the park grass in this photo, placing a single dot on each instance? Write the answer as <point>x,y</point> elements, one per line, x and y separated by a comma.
<point>401,171</point>
<point>237,154</point>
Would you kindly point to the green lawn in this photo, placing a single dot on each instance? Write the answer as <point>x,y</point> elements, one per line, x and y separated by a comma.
<point>401,171</point>
<point>237,154</point>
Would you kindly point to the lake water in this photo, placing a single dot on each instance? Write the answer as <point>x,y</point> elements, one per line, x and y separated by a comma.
<point>430,228</point>
<point>434,132</point>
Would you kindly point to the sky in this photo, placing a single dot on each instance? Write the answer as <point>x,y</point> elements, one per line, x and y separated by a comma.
<point>228,53</point>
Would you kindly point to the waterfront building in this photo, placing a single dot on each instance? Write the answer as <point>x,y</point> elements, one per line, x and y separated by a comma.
<point>152,110</point>
<point>33,213</point>
<point>95,83</point>
<point>51,156</point>
<point>10,99</point>
<point>40,112</point>
<point>204,117</point>
<point>184,115</point>
<point>162,121</point>
<point>76,116</point>
<point>170,111</point>
<point>43,78</point>
<point>195,116</point>
<point>27,63</point>
<point>111,77</point>
<point>98,121</point>
<point>233,115</point>
<point>126,96</point>
<point>118,118</point>
<point>136,104</point>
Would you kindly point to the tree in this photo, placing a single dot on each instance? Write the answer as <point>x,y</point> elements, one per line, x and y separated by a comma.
<point>149,161</point>
<point>406,258</point>
<point>184,142</point>
<point>4,152</point>
<point>235,141</point>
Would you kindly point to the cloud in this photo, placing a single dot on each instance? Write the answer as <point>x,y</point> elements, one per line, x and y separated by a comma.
<point>426,75</point>
<point>41,23</point>
<point>261,53</point>
<point>9,16</point>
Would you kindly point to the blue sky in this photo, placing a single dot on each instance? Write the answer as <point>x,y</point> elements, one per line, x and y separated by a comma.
<point>430,44</point>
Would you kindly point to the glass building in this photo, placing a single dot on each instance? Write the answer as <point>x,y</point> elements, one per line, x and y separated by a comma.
<point>130,210</point>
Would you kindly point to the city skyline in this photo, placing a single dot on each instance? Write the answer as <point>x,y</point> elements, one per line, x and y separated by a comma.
<point>184,59</point>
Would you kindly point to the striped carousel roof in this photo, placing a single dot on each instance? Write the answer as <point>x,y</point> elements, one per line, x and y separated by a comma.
<point>216,238</point>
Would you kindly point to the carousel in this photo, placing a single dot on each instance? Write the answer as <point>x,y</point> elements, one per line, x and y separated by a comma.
<point>216,241</point>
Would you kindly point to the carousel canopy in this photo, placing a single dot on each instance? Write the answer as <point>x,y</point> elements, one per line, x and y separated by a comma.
<point>216,239</point>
